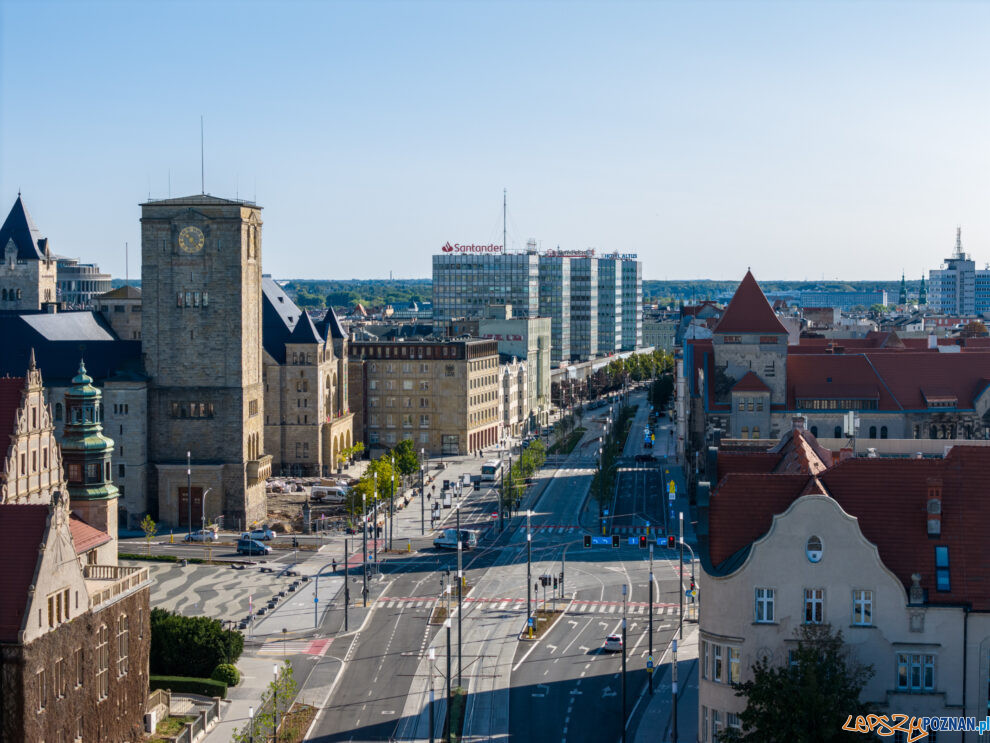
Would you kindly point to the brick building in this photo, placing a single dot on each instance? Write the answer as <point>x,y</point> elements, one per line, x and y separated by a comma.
<point>74,626</point>
<point>444,395</point>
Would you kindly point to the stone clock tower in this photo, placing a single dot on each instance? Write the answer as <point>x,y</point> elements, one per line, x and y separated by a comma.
<point>201,339</point>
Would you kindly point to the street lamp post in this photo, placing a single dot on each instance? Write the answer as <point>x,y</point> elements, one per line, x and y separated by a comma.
<point>650,656</point>
<point>529,563</point>
<point>364,549</point>
<point>624,588</point>
<point>433,655</point>
<point>189,487</point>
<point>460,588</point>
<point>374,510</point>
<point>391,508</point>
<point>251,725</point>
<point>422,493</point>
<point>347,580</point>
<point>680,586</point>
<point>446,724</point>
<point>275,702</point>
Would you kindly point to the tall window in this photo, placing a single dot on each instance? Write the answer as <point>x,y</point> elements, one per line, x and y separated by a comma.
<point>717,663</point>
<point>942,582</point>
<point>863,608</point>
<point>103,662</point>
<point>733,665</point>
<point>42,689</point>
<point>123,644</point>
<point>704,659</point>
<point>915,672</point>
<point>814,605</point>
<point>764,605</point>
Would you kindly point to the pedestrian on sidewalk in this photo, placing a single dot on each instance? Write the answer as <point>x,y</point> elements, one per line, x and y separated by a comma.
<point>334,563</point>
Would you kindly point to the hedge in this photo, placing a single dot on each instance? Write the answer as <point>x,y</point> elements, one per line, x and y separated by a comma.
<point>189,685</point>
<point>190,646</point>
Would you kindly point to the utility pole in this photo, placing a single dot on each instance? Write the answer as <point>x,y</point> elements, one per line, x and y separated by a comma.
<point>673,692</point>
<point>391,508</point>
<point>529,564</point>
<point>189,488</point>
<point>460,588</point>
<point>422,493</point>
<point>446,724</point>
<point>364,549</point>
<point>347,580</point>
<point>624,589</point>
<point>650,656</point>
<point>433,655</point>
<point>680,587</point>
<point>374,510</point>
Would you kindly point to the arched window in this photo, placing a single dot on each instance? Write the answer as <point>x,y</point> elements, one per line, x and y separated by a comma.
<point>873,432</point>
<point>837,432</point>
<point>883,432</point>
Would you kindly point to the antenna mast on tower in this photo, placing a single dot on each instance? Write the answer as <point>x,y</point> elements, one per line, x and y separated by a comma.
<point>202,166</point>
<point>504,246</point>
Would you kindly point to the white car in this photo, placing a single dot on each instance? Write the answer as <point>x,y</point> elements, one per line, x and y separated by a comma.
<point>202,535</point>
<point>613,644</point>
<point>263,534</point>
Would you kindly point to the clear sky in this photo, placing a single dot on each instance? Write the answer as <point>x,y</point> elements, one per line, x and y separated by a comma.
<point>803,139</point>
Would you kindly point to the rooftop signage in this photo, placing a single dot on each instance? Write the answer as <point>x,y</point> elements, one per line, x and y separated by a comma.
<point>458,248</point>
<point>589,253</point>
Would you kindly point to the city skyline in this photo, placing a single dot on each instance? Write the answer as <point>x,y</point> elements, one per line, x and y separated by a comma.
<point>802,140</point>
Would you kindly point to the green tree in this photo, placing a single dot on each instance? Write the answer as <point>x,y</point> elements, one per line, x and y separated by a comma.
<point>190,646</point>
<point>806,700</point>
<point>150,529</point>
<point>406,457</point>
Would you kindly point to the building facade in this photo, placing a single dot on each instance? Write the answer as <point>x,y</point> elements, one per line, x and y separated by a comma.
<point>527,339</point>
<point>465,284</point>
<point>443,395</point>
<point>514,410</point>
<point>632,303</point>
<point>555,303</point>
<point>74,626</point>
<point>822,544</point>
<point>610,307</point>
<point>28,272</point>
<point>121,308</point>
<point>79,284</point>
<point>201,297</point>
<point>958,289</point>
<point>584,308</point>
<point>308,422</point>
<point>843,300</point>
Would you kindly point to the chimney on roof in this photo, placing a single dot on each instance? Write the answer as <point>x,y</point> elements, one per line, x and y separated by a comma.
<point>934,506</point>
<point>846,452</point>
<point>932,341</point>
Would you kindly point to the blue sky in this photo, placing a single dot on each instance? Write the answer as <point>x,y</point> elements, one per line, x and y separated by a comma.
<point>803,139</point>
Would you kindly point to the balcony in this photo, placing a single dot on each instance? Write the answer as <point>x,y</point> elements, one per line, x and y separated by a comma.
<point>259,469</point>
<point>109,583</point>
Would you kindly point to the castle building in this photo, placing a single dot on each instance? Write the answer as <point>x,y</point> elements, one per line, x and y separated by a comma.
<point>308,422</point>
<point>74,626</point>
<point>201,340</point>
<point>28,272</point>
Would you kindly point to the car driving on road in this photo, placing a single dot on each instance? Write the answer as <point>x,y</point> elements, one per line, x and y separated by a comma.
<point>263,534</point>
<point>202,535</point>
<point>613,644</point>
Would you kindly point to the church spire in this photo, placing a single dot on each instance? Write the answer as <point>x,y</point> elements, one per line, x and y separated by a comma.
<point>903,297</point>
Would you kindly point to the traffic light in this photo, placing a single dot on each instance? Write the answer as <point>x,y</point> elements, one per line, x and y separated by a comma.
<point>587,540</point>
<point>642,542</point>
<point>615,540</point>
<point>555,583</point>
<point>692,582</point>
<point>671,541</point>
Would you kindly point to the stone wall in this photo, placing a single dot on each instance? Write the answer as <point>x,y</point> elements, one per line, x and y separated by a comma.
<point>80,714</point>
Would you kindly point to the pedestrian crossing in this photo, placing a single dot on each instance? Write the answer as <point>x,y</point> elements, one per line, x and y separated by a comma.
<point>316,648</point>
<point>502,604</point>
<point>571,529</point>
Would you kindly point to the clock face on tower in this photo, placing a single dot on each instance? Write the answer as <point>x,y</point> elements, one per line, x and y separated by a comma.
<point>191,239</point>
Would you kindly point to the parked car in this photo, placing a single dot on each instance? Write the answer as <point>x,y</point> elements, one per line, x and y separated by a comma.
<point>252,547</point>
<point>613,644</point>
<point>263,534</point>
<point>202,535</point>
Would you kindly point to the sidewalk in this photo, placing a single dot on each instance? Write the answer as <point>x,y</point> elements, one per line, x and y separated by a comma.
<point>656,723</point>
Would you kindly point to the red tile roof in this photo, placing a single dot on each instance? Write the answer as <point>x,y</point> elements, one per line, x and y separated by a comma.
<point>889,498</point>
<point>10,402</point>
<point>84,536</point>
<point>750,383</point>
<point>749,311</point>
<point>906,374</point>
<point>23,529</point>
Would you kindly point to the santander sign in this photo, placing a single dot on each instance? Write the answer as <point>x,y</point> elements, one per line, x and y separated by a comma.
<point>458,248</point>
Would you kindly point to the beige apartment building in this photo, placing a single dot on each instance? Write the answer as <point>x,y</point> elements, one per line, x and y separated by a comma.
<point>441,394</point>
<point>878,548</point>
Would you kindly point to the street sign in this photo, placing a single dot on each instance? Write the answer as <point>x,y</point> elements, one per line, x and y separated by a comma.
<point>691,593</point>
<point>649,662</point>
<point>603,541</point>
<point>605,512</point>
<point>672,487</point>
<point>633,541</point>
<point>531,620</point>
<point>671,497</point>
<point>316,600</point>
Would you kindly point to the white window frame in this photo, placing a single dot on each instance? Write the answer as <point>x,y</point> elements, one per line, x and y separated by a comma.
<point>814,598</point>
<point>717,665</point>
<point>766,602</point>
<point>915,663</point>
<point>863,607</point>
<point>734,668</point>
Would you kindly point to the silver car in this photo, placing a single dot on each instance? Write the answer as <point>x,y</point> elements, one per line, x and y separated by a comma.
<point>202,535</point>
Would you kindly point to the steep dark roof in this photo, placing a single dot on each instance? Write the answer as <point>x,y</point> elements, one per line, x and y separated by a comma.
<point>20,228</point>
<point>749,311</point>
<point>23,528</point>
<point>60,340</point>
<point>279,316</point>
<point>305,331</point>
<point>329,326</point>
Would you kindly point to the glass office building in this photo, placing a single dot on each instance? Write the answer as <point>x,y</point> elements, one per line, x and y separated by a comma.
<point>609,307</point>
<point>555,303</point>
<point>584,308</point>
<point>464,285</point>
<point>632,304</point>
